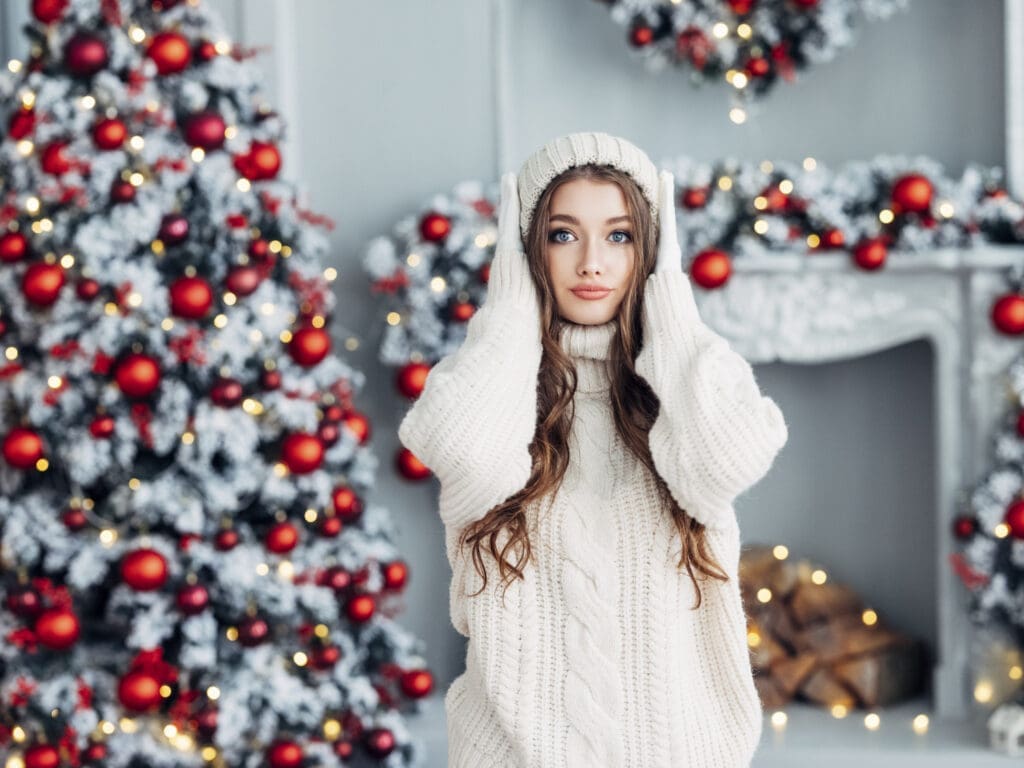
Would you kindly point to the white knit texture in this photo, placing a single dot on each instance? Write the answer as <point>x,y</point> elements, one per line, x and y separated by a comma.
<point>596,658</point>
<point>582,148</point>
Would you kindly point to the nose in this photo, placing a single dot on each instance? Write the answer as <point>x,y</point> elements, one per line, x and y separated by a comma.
<point>591,259</point>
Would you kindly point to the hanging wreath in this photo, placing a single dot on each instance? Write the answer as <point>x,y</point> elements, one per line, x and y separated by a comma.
<point>748,44</point>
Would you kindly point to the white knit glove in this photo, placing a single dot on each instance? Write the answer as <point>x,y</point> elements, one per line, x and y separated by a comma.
<point>670,257</point>
<point>510,281</point>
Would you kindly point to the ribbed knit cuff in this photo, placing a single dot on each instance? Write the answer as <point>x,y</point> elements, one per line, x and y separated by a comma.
<point>671,310</point>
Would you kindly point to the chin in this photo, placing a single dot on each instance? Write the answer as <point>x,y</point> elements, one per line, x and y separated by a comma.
<point>590,313</point>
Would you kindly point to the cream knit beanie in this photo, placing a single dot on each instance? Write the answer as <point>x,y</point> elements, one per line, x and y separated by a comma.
<point>579,149</point>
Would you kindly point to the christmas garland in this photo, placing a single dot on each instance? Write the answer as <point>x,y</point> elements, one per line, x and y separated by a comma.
<point>749,44</point>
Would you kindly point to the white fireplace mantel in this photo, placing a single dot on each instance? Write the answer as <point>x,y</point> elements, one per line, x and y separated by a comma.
<point>819,308</point>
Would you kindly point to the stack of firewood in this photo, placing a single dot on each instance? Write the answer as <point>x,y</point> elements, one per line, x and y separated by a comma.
<point>819,642</point>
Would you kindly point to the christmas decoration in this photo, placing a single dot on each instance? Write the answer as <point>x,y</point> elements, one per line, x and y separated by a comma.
<point>747,45</point>
<point>175,421</point>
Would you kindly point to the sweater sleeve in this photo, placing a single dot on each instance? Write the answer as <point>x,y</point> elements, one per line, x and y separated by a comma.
<point>715,434</point>
<point>474,420</point>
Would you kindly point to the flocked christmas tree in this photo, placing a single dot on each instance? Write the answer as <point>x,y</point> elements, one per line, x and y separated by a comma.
<point>191,573</point>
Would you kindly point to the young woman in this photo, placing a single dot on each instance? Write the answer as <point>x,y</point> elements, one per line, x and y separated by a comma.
<point>590,436</point>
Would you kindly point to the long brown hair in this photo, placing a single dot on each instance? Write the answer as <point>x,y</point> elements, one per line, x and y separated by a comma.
<point>634,403</point>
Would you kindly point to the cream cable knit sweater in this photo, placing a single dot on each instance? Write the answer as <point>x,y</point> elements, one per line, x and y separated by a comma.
<point>596,659</point>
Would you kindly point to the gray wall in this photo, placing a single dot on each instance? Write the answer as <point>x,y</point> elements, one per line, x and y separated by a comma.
<point>395,103</point>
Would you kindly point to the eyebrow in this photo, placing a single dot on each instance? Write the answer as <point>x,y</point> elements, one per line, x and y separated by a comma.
<point>574,220</point>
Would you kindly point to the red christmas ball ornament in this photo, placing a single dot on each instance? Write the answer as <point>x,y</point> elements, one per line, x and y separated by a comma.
<point>139,691</point>
<point>191,297</point>
<point>409,466</point>
<point>1014,518</point>
<point>74,519</point>
<point>330,526</point>
<point>173,229</point>
<point>360,608</point>
<point>87,289</point>
<point>122,191</point>
<point>21,124</point>
<point>434,227</point>
<point>1008,314</point>
<point>109,133</point>
<point>309,346</point>
<point>85,54</point>
<point>417,683</point>
<point>334,413</point>
<point>49,11</point>
<point>357,423</point>
<point>95,752</point>
<point>207,51</point>
<point>226,393</point>
<point>137,375</point>
<point>831,238</point>
<point>192,599</point>
<point>242,281</point>
<point>485,273</point>
<point>205,130</point>
<point>284,754</point>
<point>343,749</point>
<point>42,282</point>
<point>379,742</point>
<point>144,570</point>
<point>259,249</point>
<point>25,602</point>
<point>347,504</point>
<point>13,247</point>
<point>302,452</point>
<point>328,432</point>
<point>411,378</point>
<point>171,52</point>
<point>462,311</point>
<point>23,447</point>
<point>870,253</point>
<point>741,7</point>
<point>102,427</point>
<point>205,722</point>
<point>758,66</point>
<point>253,631</point>
<point>912,192</point>
<point>965,526</point>
<point>282,537</point>
<point>266,159</point>
<point>695,197</point>
<point>270,380</point>
<point>641,35</point>
<point>262,161</point>
<point>396,574</point>
<point>711,268</point>
<point>325,657</point>
<point>1020,423</point>
<point>57,629</point>
<point>337,578</point>
<point>42,756</point>
<point>226,540</point>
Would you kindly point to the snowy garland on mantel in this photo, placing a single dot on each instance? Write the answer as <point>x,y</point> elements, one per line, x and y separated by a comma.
<point>747,44</point>
<point>433,267</point>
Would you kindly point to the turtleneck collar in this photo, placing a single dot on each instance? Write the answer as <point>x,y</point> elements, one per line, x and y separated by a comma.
<point>589,347</point>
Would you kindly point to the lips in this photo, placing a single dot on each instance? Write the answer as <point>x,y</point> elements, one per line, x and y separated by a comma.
<point>591,293</point>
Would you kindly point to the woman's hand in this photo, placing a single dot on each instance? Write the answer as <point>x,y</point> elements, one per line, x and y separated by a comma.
<point>510,279</point>
<point>670,256</point>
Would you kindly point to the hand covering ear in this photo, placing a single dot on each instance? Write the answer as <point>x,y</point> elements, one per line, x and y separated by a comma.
<point>670,256</point>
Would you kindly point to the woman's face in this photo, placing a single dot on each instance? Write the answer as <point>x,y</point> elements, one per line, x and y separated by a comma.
<point>589,243</point>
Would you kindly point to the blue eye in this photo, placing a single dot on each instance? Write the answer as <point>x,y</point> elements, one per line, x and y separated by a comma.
<point>553,237</point>
<point>622,232</point>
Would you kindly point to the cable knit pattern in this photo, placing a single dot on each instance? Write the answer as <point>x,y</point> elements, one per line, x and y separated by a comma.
<point>593,696</point>
<point>596,659</point>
